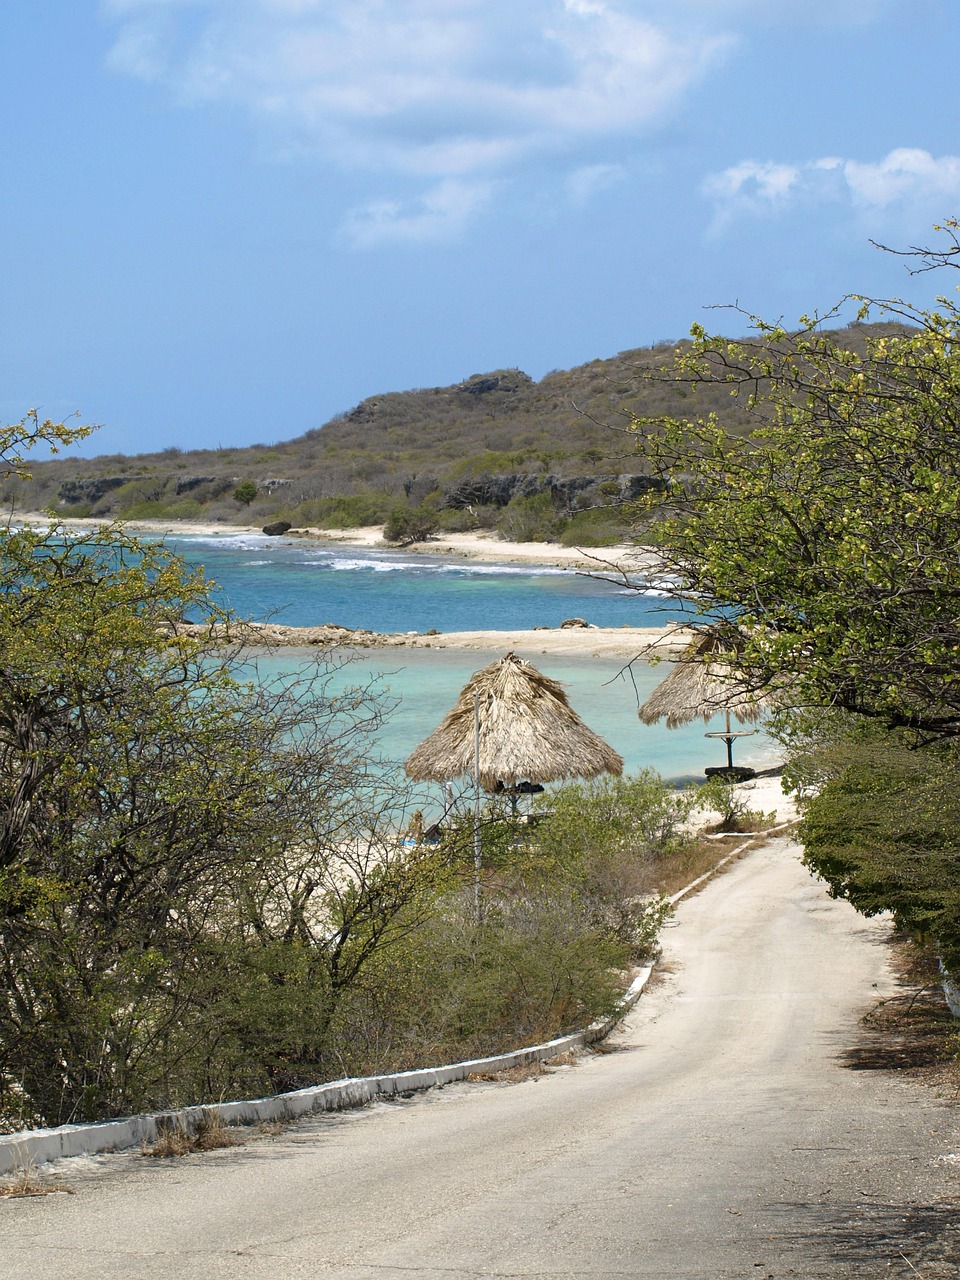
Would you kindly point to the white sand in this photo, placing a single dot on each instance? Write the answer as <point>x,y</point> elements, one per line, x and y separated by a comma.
<point>208,529</point>
<point>766,795</point>
<point>487,547</point>
<point>572,642</point>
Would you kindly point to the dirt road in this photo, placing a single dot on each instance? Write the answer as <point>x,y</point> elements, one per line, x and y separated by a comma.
<point>727,1137</point>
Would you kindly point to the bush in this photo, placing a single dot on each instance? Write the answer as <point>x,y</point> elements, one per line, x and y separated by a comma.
<point>245,492</point>
<point>532,519</point>
<point>721,796</point>
<point>610,838</point>
<point>467,519</point>
<point>882,832</point>
<point>407,525</point>
<point>534,967</point>
<point>349,511</point>
<point>596,527</point>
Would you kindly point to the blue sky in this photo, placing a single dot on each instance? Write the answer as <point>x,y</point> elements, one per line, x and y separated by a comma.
<point>224,221</point>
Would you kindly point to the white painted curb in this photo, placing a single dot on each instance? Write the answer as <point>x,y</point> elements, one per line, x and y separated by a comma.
<point>37,1146</point>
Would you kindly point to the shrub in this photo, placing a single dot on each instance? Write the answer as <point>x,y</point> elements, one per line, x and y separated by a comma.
<point>407,525</point>
<point>533,519</point>
<point>245,492</point>
<point>348,511</point>
<point>596,527</point>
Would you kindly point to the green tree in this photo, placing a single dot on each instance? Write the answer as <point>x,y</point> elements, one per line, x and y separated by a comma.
<point>825,541</point>
<point>828,533</point>
<point>18,438</point>
<point>406,525</point>
<point>882,831</point>
<point>245,492</point>
<point>194,868</point>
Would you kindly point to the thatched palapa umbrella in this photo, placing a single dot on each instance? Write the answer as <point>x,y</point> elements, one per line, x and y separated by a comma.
<point>703,683</point>
<point>512,723</point>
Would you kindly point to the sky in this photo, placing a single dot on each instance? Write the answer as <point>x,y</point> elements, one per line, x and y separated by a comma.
<point>225,221</point>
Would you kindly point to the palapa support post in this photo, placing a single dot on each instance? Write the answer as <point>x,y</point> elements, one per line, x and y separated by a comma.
<point>528,735</point>
<point>703,682</point>
<point>477,843</point>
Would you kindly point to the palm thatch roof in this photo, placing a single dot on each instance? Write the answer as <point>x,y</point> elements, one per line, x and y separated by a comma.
<point>528,732</point>
<point>703,683</point>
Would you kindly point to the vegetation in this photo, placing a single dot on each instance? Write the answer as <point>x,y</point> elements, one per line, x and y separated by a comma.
<point>410,449</point>
<point>882,831</point>
<point>202,891</point>
<point>567,905</point>
<point>824,540</point>
<point>410,524</point>
<point>245,492</point>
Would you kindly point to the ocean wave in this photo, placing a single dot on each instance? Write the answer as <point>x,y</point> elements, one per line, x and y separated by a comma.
<point>347,564</point>
<point>226,542</point>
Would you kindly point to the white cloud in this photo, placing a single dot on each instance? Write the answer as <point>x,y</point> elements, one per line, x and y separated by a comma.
<point>440,214</point>
<point>753,182</point>
<point>589,180</point>
<point>906,178</point>
<point>906,174</point>
<point>435,87</point>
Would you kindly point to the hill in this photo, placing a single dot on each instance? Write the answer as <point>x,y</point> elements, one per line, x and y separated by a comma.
<point>495,443</point>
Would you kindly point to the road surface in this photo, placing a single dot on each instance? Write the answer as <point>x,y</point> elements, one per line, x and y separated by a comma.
<point>727,1137</point>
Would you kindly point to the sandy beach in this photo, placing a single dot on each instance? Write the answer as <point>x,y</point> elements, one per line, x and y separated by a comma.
<point>483,545</point>
<point>486,546</point>
<point>625,643</point>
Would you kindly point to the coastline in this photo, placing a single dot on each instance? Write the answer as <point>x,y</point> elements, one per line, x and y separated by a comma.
<point>627,643</point>
<point>482,545</point>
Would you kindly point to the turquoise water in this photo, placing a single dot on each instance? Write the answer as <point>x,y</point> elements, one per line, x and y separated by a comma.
<point>304,584</point>
<point>423,684</point>
<point>307,584</point>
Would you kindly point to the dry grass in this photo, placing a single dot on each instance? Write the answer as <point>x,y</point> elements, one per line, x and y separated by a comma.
<point>27,1182</point>
<point>676,870</point>
<point>271,1128</point>
<point>510,1075</point>
<point>568,1059</point>
<point>211,1134</point>
<point>912,1031</point>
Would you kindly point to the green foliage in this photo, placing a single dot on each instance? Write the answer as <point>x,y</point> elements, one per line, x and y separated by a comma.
<point>825,541</point>
<point>566,904</point>
<point>454,520</point>
<point>407,525</point>
<point>596,527</point>
<point>18,438</point>
<point>351,511</point>
<point>245,492</point>
<point>184,509</point>
<point>607,838</point>
<point>883,832</point>
<point>533,519</point>
<point>720,796</point>
<point>828,533</point>
<point>202,892</point>
<point>191,867</point>
<point>534,967</point>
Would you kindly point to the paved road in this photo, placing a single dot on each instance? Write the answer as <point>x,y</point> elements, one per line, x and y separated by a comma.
<point>726,1138</point>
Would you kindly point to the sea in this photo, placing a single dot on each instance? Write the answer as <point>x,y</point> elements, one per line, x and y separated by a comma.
<point>301,583</point>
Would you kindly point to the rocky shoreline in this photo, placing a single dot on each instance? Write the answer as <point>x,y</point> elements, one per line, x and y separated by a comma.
<point>573,638</point>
